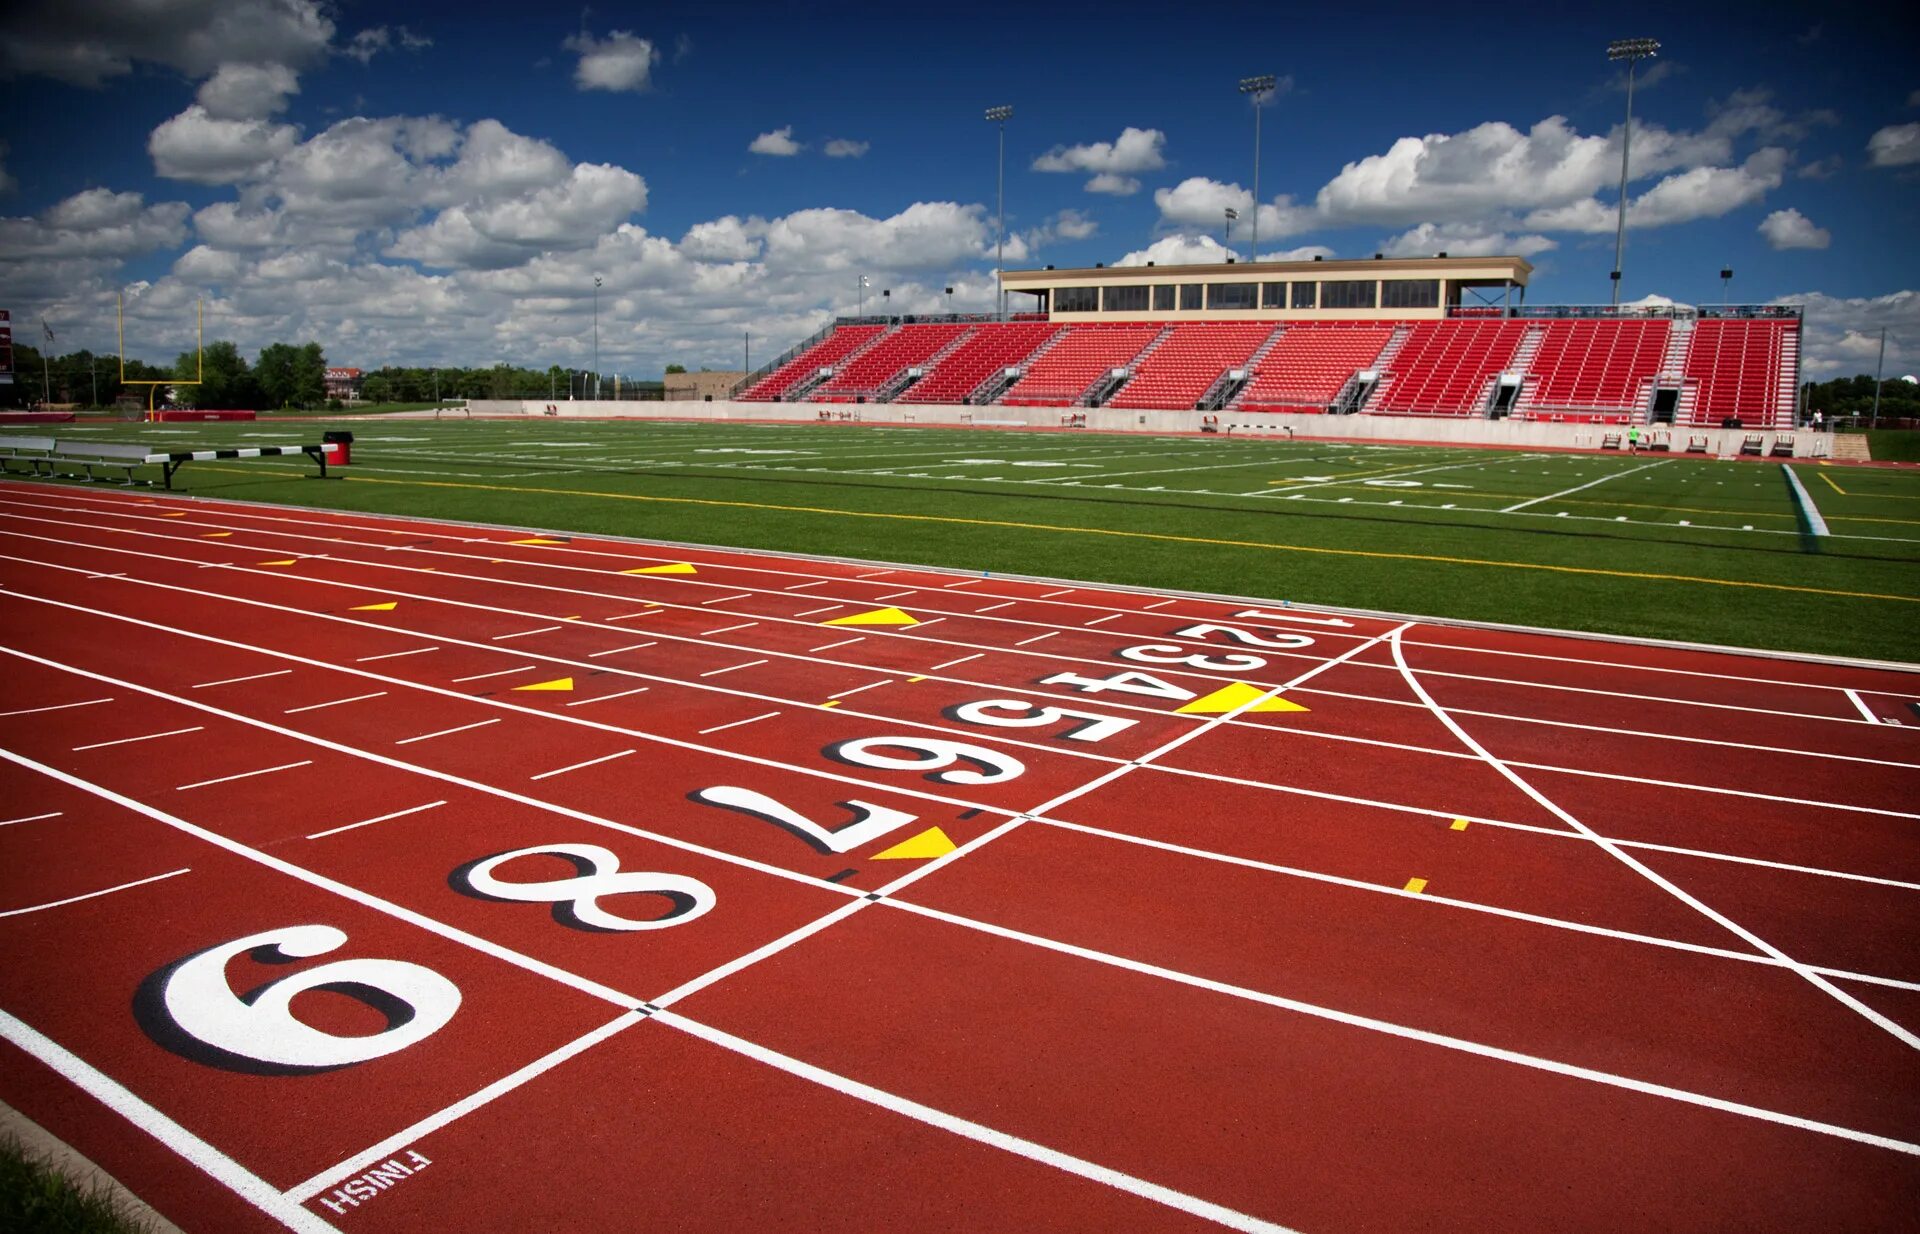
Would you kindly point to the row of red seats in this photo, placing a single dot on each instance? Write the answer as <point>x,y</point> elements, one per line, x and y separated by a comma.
<point>1596,363</point>
<point>892,355</point>
<point>1075,362</point>
<point>1193,357</point>
<point>1310,364</point>
<point>1443,367</point>
<point>1739,370</point>
<point>823,354</point>
<point>993,348</point>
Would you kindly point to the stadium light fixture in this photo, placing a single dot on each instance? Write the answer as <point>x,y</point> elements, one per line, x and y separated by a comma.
<point>1726,284</point>
<point>1000,116</point>
<point>1633,51</point>
<point>1232,214</point>
<point>1257,87</point>
<point>863,284</point>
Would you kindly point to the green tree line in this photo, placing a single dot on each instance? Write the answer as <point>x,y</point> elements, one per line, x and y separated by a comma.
<point>1853,396</point>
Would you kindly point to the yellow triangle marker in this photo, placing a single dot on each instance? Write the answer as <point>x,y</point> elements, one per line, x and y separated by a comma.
<point>678,567</point>
<point>215,535</point>
<point>1228,698</point>
<point>558,683</point>
<point>387,607</point>
<point>544,543</point>
<point>286,562</point>
<point>878,617</point>
<point>932,842</point>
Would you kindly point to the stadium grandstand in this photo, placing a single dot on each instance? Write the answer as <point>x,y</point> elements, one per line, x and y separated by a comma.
<point>1436,336</point>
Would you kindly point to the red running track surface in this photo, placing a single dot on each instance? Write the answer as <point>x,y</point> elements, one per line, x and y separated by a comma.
<point>749,920</point>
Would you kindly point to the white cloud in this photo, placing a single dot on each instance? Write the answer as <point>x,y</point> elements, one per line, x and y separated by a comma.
<point>1700,193</point>
<point>1198,202</point>
<point>1073,225</point>
<point>1822,169</point>
<point>724,239</point>
<point>1842,335</point>
<point>1182,250</point>
<point>1111,162</point>
<point>846,148</point>
<point>1790,229</point>
<point>1897,145</point>
<point>247,91</point>
<point>621,61</point>
<point>97,223</point>
<point>370,42</point>
<point>593,200</point>
<point>196,146</point>
<point>87,42</point>
<point>1464,240</point>
<point>1306,252</point>
<point>779,143</point>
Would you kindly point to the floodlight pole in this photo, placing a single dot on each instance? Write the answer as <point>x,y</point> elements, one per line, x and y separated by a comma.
<point>1879,372</point>
<point>596,336</point>
<point>1632,51</point>
<point>1000,116</point>
<point>1256,87</point>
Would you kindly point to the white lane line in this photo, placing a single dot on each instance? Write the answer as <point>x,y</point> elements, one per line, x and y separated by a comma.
<point>733,669</point>
<point>818,582</point>
<point>614,651</point>
<point>604,758</point>
<point>394,655</point>
<point>498,638</point>
<point>31,711</point>
<point>737,723</point>
<point>302,1192</point>
<point>965,582</point>
<point>208,1159</point>
<point>1899,1033</point>
<point>31,818</point>
<point>643,613</point>
<point>978,1133</point>
<point>381,818</point>
<point>245,775</point>
<point>962,660</point>
<point>745,595</point>
<point>894,595</point>
<point>496,673</point>
<point>338,702</point>
<point>1036,638</point>
<point>1149,608</point>
<point>447,732</point>
<point>875,574</point>
<point>994,608</point>
<point>92,895</point>
<point>1864,709</point>
<point>605,698</point>
<point>231,681</point>
<point>1095,622</point>
<point>1580,488</point>
<point>124,741</point>
<point>727,629</point>
<point>875,685</point>
<point>816,611</point>
<point>1064,591</point>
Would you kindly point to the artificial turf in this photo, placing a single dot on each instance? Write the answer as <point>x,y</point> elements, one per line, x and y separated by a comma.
<point>1654,545</point>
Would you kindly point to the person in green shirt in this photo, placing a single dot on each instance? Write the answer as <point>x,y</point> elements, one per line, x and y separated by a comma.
<point>1633,438</point>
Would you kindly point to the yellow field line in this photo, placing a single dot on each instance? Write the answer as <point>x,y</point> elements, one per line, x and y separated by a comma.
<point>1830,484</point>
<point>1162,537</point>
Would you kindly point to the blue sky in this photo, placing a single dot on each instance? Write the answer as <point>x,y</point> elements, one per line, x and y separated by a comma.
<point>439,183</point>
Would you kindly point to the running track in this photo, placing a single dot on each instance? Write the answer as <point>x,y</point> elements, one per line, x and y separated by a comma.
<point>749,920</point>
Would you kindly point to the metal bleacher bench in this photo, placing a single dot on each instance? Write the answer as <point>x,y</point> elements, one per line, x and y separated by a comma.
<point>111,456</point>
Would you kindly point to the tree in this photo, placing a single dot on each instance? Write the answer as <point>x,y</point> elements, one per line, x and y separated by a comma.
<point>225,380</point>
<point>377,389</point>
<point>676,368</point>
<point>274,371</point>
<point>310,375</point>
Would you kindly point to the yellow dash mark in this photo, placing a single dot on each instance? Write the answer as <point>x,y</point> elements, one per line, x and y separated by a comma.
<point>1415,885</point>
<point>538,541</point>
<point>558,683</point>
<point>287,562</point>
<point>215,535</point>
<point>1459,824</point>
<point>932,842</point>
<point>174,514</point>
<point>832,702</point>
<point>678,567</point>
<point>1236,696</point>
<point>386,607</point>
<point>911,680</point>
<point>878,617</point>
<point>574,617</point>
<point>1830,484</point>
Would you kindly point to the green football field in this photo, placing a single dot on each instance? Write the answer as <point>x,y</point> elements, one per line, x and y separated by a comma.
<point>1652,545</point>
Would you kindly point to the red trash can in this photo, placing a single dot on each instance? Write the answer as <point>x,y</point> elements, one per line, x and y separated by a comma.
<point>337,446</point>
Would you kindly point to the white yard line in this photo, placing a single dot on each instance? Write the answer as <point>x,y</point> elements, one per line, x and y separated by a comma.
<point>1581,488</point>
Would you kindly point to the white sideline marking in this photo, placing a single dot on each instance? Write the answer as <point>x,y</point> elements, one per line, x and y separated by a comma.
<point>812,612</point>
<point>394,655</point>
<point>994,608</point>
<point>1904,1036</point>
<point>1036,638</point>
<point>499,673</point>
<point>101,745</point>
<point>368,822</point>
<point>745,595</point>
<point>726,629</point>
<point>229,681</point>
<point>92,895</point>
<point>1864,709</point>
<point>31,818</point>
<point>210,1160</point>
<point>358,698</point>
<point>407,741</point>
<point>894,595</point>
<point>302,1192</point>
<point>1065,591</point>
<point>604,758</point>
<point>245,775</point>
<point>614,651</point>
<point>1095,622</point>
<point>735,668</point>
<point>967,1129</point>
<point>523,633</point>
<point>873,685</point>
<point>630,616</point>
<point>604,698</point>
<point>737,723</point>
<point>30,711</point>
<point>962,660</point>
<point>1582,487</point>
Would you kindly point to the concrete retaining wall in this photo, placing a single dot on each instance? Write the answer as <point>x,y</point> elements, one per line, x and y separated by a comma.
<point>1438,430</point>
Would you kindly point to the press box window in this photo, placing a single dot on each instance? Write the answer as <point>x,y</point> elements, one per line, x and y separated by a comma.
<point>1163,298</point>
<point>1231,295</point>
<point>1304,295</point>
<point>1192,295</point>
<point>1125,300</point>
<point>1076,300</point>
<point>1350,294</point>
<point>1273,295</point>
<point>1410,293</point>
